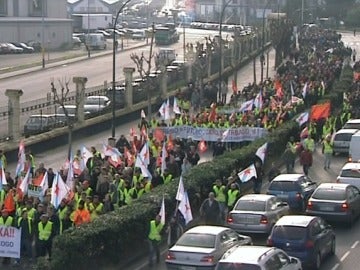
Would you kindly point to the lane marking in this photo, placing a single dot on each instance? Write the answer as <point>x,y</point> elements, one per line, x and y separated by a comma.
<point>335,266</point>
<point>355,244</point>
<point>345,255</point>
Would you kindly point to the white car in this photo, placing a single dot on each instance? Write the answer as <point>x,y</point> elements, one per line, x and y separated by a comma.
<point>97,104</point>
<point>202,247</point>
<point>352,124</point>
<point>350,174</point>
<point>257,258</point>
<point>341,140</point>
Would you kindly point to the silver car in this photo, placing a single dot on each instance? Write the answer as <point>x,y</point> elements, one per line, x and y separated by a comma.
<point>350,174</point>
<point>202,247</point>
<point>257,213</point>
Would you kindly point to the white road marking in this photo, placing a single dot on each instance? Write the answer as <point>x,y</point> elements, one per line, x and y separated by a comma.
<point>355,244</point>
<point>335,266</point>
<point>344,256</point>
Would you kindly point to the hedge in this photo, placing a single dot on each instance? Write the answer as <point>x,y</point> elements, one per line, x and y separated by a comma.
<point>114,237</point>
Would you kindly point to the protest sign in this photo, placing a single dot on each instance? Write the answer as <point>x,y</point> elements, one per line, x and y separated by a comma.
<point>34,191</point>
<point>10,242</point>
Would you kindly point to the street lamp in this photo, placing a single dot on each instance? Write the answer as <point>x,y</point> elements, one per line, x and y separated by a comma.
<point>113,68</point>
<point>224,5</point>
<point>43,34</point>
<point>262,56</point>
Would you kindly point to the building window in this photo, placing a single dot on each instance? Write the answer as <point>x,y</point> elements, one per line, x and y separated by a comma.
<point>37,8</point>
<point>3,7</point>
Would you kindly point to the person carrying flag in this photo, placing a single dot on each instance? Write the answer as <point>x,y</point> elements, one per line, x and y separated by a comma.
<point>154,238</point>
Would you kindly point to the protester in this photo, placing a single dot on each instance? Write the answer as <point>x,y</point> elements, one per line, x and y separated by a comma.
<point>154,238</point>
<point>306,160</point>
<point>210,210</point>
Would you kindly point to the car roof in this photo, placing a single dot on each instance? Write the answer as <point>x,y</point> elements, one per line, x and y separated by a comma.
<point>340,186</point>
<point>288,177</point>
<point>350,130</point>
<point>246,254</point>
<point>351,166</point>
<point>256,197</point>
<point>215,230</point>
<point>353,121</point>
<point>295,220</point>
<point>42,115</point>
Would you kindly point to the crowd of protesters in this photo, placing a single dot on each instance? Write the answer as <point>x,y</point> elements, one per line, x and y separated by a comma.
<point>102,187</point>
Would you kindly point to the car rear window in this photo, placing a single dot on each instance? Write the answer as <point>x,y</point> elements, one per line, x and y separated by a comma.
<point>352,126</point>
<point>197,240</point>
<point>284,186</point>
<point>289,232</point>
<point>250,205</point>
<point>329,194</point>
<point>237,266</point>
<point>344,137</point>
<point>350,173</point>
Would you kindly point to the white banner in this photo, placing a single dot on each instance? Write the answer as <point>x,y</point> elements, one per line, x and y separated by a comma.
<point>213,134</point>
<point>10,238</point>
<point>34,191</point>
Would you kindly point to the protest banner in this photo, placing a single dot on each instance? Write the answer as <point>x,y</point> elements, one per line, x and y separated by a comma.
<point>213,134</point>
<point>10,242</point>
<point>34,191</point>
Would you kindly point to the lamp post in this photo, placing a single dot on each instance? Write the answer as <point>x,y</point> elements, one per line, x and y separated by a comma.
<point>262,56</point>
<point>114,67</point>
<point>43,34</point>
<point>224,5</point>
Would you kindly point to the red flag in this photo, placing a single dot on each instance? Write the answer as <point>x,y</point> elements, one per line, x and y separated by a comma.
<point>320,111</point>
<point>159,135</point>
<point>170,144</point>
<point>202,146</point>
<point>9,202</point>
<point>129,157</point>
<point>212,115</point>
<point>36,181</point>
<point>132,132</point>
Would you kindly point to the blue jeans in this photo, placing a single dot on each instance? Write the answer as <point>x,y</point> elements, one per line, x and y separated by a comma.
<point>154,250</point>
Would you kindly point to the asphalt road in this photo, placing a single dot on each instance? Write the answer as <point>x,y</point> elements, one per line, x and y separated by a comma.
<point>347,255</point>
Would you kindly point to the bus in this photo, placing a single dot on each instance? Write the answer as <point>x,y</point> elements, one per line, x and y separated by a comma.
<point>165,35</point>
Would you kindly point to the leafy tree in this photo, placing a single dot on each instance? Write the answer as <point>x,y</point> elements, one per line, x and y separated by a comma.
<point>338,9</point>
<point>353,17</point>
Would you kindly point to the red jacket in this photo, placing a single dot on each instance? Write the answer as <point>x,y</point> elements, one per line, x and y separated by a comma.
<point>306,158</point>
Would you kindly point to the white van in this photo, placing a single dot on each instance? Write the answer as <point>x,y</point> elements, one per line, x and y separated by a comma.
<point>354,149</point>
<point>95,41</point>
<point>352,124</point>
<point>167,55</point>
<point>341,140</point>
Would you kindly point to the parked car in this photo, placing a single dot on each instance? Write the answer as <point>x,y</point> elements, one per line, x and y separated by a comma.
<point>341,140</point>
<point>120,101</point>
<point>202,247</point>
<point>352,124</point>
<point>256,213</point>
<point>71,111</point>
<point>138,35</point>
<point>14,49</point>
<point>97,104</point>
<point>350,174</point>
<point>308,238</point>
<point>257,258</point>
<point>35,44</point>
<point>40,123</point>
<point>4,49</point>
<point>335,202</point>
<point>76,41</point>
<point>26,48</point>
<point>295,189</point>
<point>354,147</point>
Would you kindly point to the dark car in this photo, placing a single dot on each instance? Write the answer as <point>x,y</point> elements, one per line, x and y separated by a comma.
<point>335,202</point>
<point>40,123</point>
<point>295,189</point>
<point>308,238</point>
<point>35,44</point>
<point>119,96</point>
<point>26,48</point>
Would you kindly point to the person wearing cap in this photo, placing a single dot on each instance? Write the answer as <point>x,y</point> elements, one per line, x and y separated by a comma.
<point>81,215</point>
<point>44,236</point>
<point>154,238</point>
<point>26,224</point>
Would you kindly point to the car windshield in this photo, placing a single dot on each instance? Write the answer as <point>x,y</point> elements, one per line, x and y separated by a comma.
<point>197,240</point>
<point>250,205</point>
<point>343,137</point>
<point>94,101</point>
<point>36,120</point>
<point>352,126</point>
<point>289,232</point>
<point>284,186</point>
<point>71,111</point>
<point>329,194</point>
<point>354,173</point>
<point>237,266</point>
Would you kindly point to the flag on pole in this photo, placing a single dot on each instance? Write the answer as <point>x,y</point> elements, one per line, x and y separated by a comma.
<point>185,208</point>
<point>176,108</point>
<point>44,184</point>
<point>302,118</point>
<point>25,182</point>
<point>247,106</point>
<point>85,155</point>
<point>113,154</point>
<point>129,157</point>
<point>167,110</point>
<point>292,89</point>
<point>162,211</point>
<point>163,158</point>
<point>180,190</point>
<point>162,109</point>
<point>9,202</point>
<point>3,178</point>
<point>20,166</point>
<point>261,152</point>
<point>144,156</point>
<point>59,191</point>
<point>247,174</point>
<point>304,91</point>
<point>142,114</point>
<point>258,101</point>
<point>70,177</point>
<point>225,135</point>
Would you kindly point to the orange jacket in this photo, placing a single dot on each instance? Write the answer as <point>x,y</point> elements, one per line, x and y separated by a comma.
<point>81,216</point>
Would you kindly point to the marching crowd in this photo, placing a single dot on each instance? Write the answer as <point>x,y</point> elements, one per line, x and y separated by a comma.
<point>102,185</point>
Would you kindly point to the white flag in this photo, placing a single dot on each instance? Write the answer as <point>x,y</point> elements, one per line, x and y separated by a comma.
<point>261,152</point>
<point>59,191</point>
<point>44,184</point>
<point>162,211</point>
<point>292,89</point>
<point>176,108</point>
<point>180,191</point>
<point>167,110</point>
<point>3,177</point>
<point>70,176</point>
<point>247,106</point>
<point>142,114</point>
<point>144,156</point>
<point>185,208</point>
<point>162,109</point>
<point>25,182</point>
<point>247,174</point>
<point>163,158</point>
<point>304,91</point>
<point>85,155</point>
<point>225,134</point>
<point>258,101</point>
<point>302,118</point>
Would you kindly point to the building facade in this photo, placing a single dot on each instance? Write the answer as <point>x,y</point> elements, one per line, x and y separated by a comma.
<point>44,21</point>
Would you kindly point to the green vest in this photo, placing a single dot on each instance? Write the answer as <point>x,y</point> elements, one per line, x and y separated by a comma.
<point>328,148</point>
<point>310,144</point>
<point>167,179</point>
<point>45,231</point>
<point>8,222</point>
<point>219,193</point>
<point>62,212</point>
<point>96,210</point>
<point>232,196</point>
<point>154,233</point>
